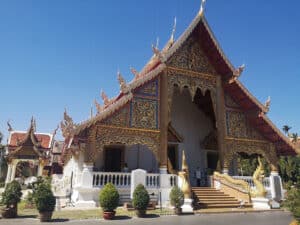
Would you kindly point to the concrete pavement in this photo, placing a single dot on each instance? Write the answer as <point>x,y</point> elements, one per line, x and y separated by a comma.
<point>262,218</point>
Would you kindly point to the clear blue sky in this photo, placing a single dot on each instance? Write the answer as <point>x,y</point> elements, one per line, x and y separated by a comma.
<point>60,53</point>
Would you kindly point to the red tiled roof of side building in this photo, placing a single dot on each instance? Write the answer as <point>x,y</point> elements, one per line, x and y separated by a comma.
<point>18,136</point>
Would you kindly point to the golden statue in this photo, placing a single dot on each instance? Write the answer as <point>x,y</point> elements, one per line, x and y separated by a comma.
<point>258,177</point>
<point>184,175</point>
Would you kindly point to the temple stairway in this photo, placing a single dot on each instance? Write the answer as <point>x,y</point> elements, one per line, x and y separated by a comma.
<point>210,198</point>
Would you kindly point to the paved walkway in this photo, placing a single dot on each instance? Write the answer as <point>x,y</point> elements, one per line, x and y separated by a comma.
<point>263,218</point>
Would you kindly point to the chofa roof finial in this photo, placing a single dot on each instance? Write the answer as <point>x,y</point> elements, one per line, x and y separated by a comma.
<point>9,126</point>
<point>173,30</point>
<point>104,98</point>
<point>134,72</point>
<point>201,11</point>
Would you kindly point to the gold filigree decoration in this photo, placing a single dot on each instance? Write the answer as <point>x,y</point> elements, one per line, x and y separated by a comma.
<point>230,102</point>
<point>249,147</point>
<point>108,135</point>
<point>193,81</point>
<point>144,113</point>
<point>191,56</point>
<point>120,118</point>
<point>67,125</point>
<point>149,89</point>
<point>239,127</point>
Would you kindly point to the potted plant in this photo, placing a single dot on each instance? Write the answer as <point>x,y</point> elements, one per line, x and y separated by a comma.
<point>44,201</point>
<point>176,199</point>
<point>10,199</point>
<point>109,200</point>
<point>140,200</point>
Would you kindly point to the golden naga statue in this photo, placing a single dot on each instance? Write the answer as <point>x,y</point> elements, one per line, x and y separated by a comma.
<point>258,177</point>
<point>184,175</point>
<point>236,182</point>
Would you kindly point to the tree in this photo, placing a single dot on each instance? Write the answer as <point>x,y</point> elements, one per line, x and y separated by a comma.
<point>294,137</point>
<point>3,163</point>
<point>286,129</point>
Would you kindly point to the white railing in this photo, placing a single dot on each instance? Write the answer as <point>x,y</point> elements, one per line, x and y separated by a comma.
<point>173,180</point>
<point>152,180</point>
<point>120,180</point>
<point>249,180</point>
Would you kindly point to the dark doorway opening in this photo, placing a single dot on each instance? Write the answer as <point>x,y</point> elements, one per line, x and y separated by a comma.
<point>113,159</point>
<point>212,160</point>
<point>173,156</point>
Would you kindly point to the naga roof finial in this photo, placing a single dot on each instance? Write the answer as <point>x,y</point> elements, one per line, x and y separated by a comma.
<point>104,98</point>
<point>268,104</point>
<point>201,11</point>
<point>122,82</point>
<point>134,72</point>
<point>237,73</point>
<point>98,106</point>
<point>67,125</point>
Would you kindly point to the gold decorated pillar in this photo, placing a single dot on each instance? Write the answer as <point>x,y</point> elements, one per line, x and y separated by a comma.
<point>221,123</point>
<point>164,122</point>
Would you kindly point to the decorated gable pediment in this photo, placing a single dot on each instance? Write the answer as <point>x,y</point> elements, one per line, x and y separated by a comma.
<point>239,127</point>
<point>191,56</point>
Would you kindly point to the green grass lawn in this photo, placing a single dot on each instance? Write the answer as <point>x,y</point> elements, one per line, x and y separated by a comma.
<point>77,214</point>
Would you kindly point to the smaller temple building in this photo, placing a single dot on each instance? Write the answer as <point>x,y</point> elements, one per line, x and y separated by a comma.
<point>31,154</point>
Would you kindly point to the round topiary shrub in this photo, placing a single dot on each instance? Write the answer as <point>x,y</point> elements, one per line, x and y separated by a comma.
<point>10,199</point>
<point>140,200</point>
<point>176,197</point>
<point>109,198</point>
<point>44,198</point>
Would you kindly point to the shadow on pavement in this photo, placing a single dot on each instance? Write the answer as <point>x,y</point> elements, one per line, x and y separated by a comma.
<point>122,218</point>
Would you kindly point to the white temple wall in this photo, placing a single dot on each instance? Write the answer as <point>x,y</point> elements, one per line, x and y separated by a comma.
<point>193,125</point>
<point>99,162</point>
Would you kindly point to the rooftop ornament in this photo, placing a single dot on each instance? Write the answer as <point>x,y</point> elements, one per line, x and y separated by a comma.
<point>9,127</point>
<point>135,72</point>
<point>268,104</point>
<point>123,86</point>
<point>99,107</point>
<point>105,99</point>
<point>201,11</point>
<point>67,125</point>
<point>237,73</point>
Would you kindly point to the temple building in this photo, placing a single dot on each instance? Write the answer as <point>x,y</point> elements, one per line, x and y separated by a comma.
<point>187,98</point>
<point>30,154</point>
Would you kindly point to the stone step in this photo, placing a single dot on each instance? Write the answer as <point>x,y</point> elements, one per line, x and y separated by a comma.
<point>222,205</point>
<point>219,202</point>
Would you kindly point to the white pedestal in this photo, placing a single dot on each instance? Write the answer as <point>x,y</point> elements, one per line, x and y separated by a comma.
<point>187,206</point>
<point>260,203</point>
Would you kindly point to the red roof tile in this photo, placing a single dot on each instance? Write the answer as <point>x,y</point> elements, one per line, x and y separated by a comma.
<point>19,136</point>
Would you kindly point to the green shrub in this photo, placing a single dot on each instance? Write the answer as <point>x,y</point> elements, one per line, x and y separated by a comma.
<point>12,194</point>
<point>29,200</point>
<point>141,198</point>
<point>176,197</point>
<point>109,198</point>
<point>292,201</point>
<point>44,198</point>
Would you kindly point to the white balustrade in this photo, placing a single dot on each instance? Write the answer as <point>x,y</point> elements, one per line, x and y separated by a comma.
<point>173,180</point>
<point>120,180</point>
<point>152,180</point>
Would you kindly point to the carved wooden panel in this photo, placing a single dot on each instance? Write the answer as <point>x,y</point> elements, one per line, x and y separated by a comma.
<point>108,135</point>
<point>238,126</point>
<point>230,103</point>
<point>120,118</point>
<point>149,90</point>
<point>266,149</point>
<point>144,113</point>
<point>191,56</point>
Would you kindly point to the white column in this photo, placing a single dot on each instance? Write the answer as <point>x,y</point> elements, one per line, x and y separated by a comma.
<point>14,167</point>
<point>137,177</point>
<point>8,175</point>
<point>40,169</point>
<point>276,186</point>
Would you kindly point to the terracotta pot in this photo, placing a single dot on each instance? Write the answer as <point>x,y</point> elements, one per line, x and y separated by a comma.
<point>109,215</point>
<point>178,211</point>
<point>140,212</point>
<point>45,216</point>
<point>10,212</point>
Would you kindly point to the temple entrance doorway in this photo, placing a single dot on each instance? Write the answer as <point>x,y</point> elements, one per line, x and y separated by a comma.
<point>194,119</point>
<point>113,159</point>
<point>212,161</point>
